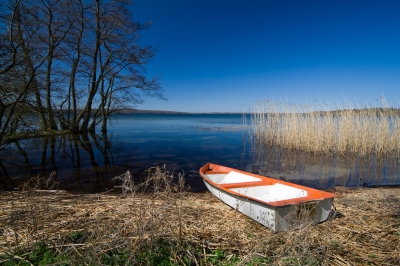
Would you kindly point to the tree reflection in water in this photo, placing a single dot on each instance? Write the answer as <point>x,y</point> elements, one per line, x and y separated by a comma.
<point>88,162</point>
<point>81,161</point>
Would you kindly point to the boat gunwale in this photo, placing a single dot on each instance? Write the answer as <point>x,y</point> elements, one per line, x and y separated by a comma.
<point>265,181</point>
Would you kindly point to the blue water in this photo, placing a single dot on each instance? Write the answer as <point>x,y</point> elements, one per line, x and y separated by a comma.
<point>183,143</point>
<point>134,142</point>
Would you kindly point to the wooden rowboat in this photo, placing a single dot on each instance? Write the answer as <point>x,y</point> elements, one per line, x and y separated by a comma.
<point>274,203</point>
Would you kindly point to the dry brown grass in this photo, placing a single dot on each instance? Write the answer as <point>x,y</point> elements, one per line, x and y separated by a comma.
<point>329,128</point>
<point>195,228</point>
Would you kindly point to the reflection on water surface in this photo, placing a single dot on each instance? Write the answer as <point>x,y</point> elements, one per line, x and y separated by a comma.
<point>183,142</point>
<point>323,171</point>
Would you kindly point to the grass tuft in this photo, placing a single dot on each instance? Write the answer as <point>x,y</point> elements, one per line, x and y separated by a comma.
<point>329,129</point>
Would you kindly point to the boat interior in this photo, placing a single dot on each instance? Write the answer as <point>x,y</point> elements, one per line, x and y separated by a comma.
<point>257,188</point>
<point>265,189</point>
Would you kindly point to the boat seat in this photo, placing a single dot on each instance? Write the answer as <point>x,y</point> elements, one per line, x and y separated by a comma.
<point>246,184</point>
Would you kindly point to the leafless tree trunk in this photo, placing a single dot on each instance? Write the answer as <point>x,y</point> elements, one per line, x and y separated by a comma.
<point>68,82</point>
<point>77,39</point>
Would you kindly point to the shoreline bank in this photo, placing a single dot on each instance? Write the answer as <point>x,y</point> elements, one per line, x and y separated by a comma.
<point>366,229</point>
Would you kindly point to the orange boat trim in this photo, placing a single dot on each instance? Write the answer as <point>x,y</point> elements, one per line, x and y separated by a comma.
<point>312,194</point>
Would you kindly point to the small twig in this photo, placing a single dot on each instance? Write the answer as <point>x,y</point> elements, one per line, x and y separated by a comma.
<point>51,191</point>
<point>387,233</point>
<point>106,191</point>
<point>205,255</point>
<point>179,258</point>
<point>20,258</point>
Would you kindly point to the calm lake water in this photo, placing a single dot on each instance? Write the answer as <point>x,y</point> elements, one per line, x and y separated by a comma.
<point>183,143</point>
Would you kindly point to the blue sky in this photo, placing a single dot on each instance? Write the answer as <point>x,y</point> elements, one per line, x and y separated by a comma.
<point>225,55</point>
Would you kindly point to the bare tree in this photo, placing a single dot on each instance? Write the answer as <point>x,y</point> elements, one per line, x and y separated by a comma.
<point>72,63</point>
<point>15,83</point>
<point>121,63</point>
<point>118,72</point>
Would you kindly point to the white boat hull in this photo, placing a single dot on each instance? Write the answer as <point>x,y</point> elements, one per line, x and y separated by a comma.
<point>260,202</point>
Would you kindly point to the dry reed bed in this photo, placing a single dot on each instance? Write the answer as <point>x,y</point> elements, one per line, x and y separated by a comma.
<point>326,128</point>
<point>367,231</point>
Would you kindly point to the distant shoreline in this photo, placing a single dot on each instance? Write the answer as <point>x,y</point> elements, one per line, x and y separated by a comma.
<point>137,111</point>
<point>333,112</point>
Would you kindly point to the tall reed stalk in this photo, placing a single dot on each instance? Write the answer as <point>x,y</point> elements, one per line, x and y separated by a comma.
<point>329,128</point>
